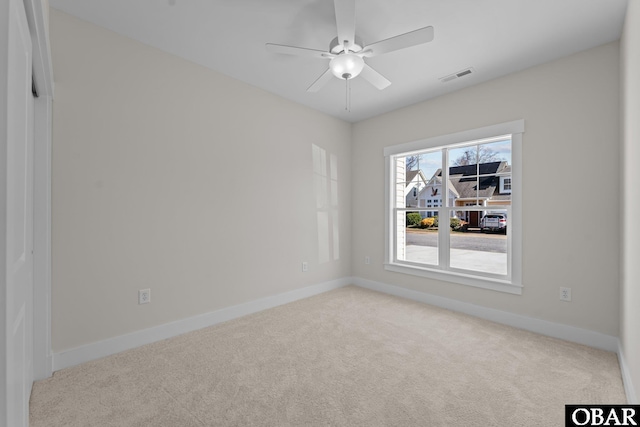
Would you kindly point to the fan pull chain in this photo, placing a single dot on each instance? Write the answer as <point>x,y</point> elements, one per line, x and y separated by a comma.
<point>347,106</point>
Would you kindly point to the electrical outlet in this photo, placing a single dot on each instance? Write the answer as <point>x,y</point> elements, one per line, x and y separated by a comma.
<point>144,296</point>
<point>367,260</point>
<point>305,266</point>
<point>565,294</point>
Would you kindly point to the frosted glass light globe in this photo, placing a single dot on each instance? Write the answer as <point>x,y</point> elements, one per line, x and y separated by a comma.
<point>346,66</point>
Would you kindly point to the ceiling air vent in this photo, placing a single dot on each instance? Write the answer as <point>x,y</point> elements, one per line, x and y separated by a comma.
<point>457,75</point>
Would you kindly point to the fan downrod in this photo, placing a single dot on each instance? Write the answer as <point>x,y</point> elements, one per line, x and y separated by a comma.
<point>337,48</point>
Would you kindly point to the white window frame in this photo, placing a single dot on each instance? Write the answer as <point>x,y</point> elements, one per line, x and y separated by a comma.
<point>503,181</point>
<point>512,282</point>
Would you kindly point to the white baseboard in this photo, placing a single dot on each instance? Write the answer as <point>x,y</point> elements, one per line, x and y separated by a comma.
<point>114,345</point>
<point>117,344</point>
<point>544,327</point>
<point>43,367</point>
<point>626,377</point>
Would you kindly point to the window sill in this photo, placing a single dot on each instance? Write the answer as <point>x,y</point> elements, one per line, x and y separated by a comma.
<point>455,277</point>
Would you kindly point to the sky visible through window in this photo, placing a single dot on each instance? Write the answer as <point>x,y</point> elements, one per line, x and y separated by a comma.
<point>430,162</point>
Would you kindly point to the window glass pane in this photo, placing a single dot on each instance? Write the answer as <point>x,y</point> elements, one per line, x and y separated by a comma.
<point>469,217</point>
<point>412,176</point>
<point>400,224</point>
<point>489,186</point>
<point>430,163</point>
<point>431,168</point>
<point>488,152</point>
<point>475,172</point>
<point>481,248</point>
<point>497,151</point>
<point>464,186</point>
<point>399,172</point>
<point>421,241</point>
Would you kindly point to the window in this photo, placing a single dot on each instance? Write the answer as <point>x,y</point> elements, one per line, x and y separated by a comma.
<point>505,184</point>
<point>478,173</point>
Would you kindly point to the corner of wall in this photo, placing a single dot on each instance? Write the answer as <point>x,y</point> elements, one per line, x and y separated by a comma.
<point>629,352</point>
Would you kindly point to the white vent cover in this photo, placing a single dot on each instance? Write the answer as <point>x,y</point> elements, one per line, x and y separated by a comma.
<point>457,75</point>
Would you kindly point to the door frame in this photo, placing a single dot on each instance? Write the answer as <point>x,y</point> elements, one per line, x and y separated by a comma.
<point>37,17</point>
<point>16,223</point>
<point>42,350</point>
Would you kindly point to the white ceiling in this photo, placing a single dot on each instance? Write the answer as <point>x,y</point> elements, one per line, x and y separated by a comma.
<point>495,37</point>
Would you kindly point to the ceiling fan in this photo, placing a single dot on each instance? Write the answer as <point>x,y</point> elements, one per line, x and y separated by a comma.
<point>347,52</point>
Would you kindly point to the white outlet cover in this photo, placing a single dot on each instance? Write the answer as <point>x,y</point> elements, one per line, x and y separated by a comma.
<point>144,296</point>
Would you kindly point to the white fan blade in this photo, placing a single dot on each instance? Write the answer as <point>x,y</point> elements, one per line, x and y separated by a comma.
<point>346,21</point>
<point>321,81</point>
<point>298,51</point>
<point>374,77</point>
<point>412,38</point>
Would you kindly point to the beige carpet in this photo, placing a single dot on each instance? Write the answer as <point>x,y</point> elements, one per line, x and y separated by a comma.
<point>349,357</point>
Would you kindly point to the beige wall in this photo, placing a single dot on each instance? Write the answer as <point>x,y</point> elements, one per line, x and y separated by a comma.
<point>630,289</point>
<point>170,176</point>
<point>571,161</point>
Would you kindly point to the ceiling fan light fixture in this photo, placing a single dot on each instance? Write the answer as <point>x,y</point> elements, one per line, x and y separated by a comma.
<point>346,66</point>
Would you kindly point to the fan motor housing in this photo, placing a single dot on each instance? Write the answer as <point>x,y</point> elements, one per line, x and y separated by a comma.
<point>337,48</point>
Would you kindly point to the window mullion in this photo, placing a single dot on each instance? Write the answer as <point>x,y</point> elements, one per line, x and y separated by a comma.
<point>395,237</point>
<point>399,233</point>
<point>509,243</point>
<point>390,238</point>
<point>477,175</point>
<point>443,220</point>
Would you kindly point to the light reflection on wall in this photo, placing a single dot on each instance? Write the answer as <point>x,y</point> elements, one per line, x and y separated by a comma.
<point>325,178</point>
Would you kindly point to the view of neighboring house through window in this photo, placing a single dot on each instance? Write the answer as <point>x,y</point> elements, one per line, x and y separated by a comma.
<point>505,184</point>
<point>451,208</point>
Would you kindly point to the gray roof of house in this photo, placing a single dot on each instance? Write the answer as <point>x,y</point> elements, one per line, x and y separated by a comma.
<point>410,175</point>
<point>464,179</point>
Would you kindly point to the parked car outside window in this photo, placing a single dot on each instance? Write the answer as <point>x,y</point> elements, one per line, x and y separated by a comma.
<point>494,222</point>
